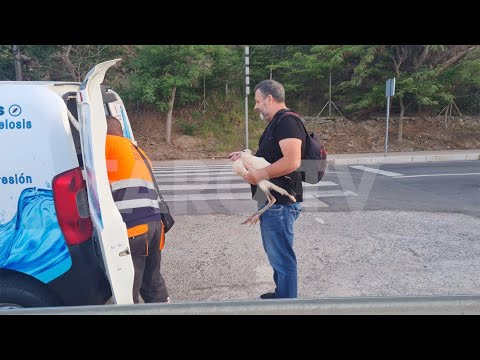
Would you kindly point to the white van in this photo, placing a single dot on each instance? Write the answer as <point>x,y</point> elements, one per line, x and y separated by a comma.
<point>62,240</point>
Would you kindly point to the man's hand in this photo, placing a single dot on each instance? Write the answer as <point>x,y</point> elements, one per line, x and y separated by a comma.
<point>234,155</point>
<point>255,176</point>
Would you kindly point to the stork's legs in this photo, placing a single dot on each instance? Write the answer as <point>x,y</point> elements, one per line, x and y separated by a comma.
<point>265,186</point>
<point>271,201</point>
<point>253,219</point>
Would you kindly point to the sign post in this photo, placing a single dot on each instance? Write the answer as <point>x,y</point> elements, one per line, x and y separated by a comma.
<point>389,91</point>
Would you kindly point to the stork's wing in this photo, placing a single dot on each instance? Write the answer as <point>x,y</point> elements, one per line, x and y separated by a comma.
<point>256,162</point>
<point>238,168</point>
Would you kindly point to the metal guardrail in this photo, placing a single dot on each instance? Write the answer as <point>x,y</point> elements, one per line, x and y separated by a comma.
<point>409,305</point>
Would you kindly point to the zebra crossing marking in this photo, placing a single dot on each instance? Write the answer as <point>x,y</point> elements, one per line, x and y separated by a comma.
<point>201,183</point>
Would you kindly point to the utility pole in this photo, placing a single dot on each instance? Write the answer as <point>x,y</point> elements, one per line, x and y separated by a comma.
<point>330,95</point>
<point>247,92</point>
<point>17,59</point>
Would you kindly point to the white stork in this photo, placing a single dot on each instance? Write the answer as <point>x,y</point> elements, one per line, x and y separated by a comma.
<point>266,186</point>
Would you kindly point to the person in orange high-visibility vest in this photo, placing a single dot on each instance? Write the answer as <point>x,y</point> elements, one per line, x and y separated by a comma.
<point>136,198</point>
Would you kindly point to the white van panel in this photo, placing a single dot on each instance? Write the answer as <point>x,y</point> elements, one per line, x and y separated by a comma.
<point>35,145</point>
<point>30,134</point>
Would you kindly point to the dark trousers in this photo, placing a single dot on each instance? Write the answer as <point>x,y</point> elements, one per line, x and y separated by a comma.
<point>146,257</point>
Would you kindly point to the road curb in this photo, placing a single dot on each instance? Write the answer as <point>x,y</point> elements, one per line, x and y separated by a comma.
<point>355,159</point>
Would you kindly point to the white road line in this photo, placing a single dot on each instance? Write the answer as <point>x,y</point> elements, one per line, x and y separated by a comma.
<point>321,183</point>
<point>377,171</point>
<point>312,199</point>
<point>158,169</point>
<point>191,171</point>
<point>200,164</point>
<point>196,179</point>
<point>193,167</point>
<point>201,179</point>
<point>175,175</point>
<point>330,193</point>
<point>223,186</point>
<point>425,175</point>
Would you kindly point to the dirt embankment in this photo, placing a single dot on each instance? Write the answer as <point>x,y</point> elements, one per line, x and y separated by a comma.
<point>339,136</point>
<point>419,134</point>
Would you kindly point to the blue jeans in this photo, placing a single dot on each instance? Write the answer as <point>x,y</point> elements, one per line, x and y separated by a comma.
<point>276,225</point>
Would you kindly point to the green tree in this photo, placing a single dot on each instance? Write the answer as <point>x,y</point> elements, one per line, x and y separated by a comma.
<point>67,62</point>
<point>418,69</point>
<point>355,71</point>
<point>159,70</point>
<point>463,83</point>
<point>227,74</point>
<point>7,70</point>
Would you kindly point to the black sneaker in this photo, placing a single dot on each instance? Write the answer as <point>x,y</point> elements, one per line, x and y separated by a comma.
<point>269,295</point>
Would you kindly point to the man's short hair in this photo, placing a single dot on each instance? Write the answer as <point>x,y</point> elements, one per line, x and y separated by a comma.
<point>272,87</point>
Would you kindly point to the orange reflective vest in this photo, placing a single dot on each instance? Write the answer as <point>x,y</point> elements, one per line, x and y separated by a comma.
<point>133,190</point>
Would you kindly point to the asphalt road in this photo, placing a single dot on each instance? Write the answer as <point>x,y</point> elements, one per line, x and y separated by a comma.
<point>390,235</point>
<point>436,186</point>
<point>452,187</point>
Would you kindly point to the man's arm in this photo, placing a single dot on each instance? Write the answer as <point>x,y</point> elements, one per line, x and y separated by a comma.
<point>292,156</point>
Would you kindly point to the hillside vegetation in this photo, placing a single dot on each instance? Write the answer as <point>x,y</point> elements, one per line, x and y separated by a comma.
<point>199,135</point>
<point>186,101</point>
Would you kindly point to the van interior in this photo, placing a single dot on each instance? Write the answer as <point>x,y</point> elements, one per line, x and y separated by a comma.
<point>70,99</point>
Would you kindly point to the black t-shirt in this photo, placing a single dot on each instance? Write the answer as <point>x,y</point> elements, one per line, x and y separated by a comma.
<point>269,148</point>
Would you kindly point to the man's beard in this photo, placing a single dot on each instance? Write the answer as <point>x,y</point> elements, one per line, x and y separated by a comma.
<point>262,117</point>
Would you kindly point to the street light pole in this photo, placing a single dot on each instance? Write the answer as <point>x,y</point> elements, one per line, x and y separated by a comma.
<point>247,92</point>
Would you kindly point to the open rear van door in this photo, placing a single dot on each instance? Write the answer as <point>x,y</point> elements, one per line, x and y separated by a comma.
<point>108,223</point>
<point>116,108</point>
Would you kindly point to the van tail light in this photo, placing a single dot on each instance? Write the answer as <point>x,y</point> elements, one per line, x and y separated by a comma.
<point>71,206</point>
